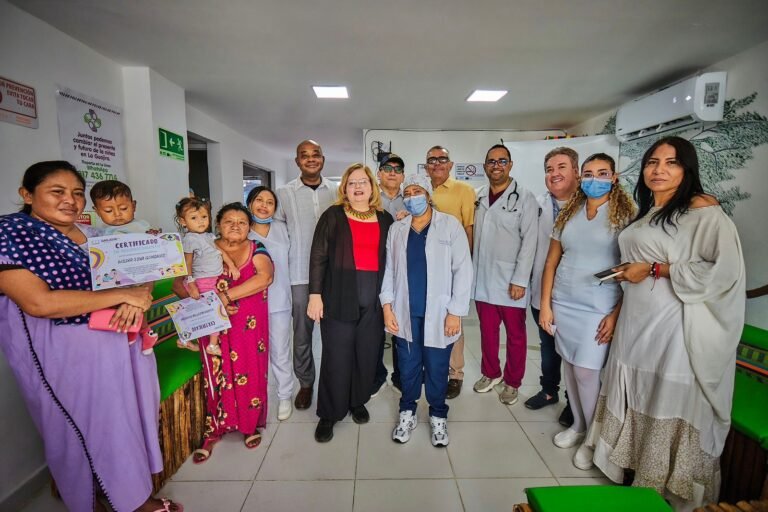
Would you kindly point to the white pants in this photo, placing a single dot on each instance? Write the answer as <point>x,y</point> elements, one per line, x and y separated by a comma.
<point>280,352</point>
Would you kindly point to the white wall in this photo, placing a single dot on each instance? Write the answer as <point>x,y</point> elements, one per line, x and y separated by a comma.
<point>157,182</point>
<point>38,55</point>
<point>227,150</point>
<point>747,73</point>
<point>466,146</point>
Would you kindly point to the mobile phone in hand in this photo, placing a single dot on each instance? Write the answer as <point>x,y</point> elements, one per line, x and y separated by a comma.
<point>609,273</point>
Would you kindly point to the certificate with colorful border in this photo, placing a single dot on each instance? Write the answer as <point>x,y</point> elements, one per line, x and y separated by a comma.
<point>197,318</point>
<point>129,259</point>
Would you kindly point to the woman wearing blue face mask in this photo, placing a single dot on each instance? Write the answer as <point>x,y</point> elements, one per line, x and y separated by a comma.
<point>262,203</point>
<point>427,256</point>
<point>583,309</point>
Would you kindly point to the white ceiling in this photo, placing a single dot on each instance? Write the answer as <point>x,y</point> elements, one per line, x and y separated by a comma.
<point>408,63</point>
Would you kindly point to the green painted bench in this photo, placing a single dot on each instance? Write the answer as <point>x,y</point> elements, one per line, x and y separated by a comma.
<point>744,458</point>
<point>182,408</point>
<point>593,498</point>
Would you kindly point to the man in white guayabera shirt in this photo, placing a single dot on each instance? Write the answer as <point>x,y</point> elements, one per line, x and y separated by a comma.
<point>300,204</point>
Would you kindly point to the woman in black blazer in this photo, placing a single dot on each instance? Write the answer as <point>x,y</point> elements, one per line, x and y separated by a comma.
<point>346,268</point>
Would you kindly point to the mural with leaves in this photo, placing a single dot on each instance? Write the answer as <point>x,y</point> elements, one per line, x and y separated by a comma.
<point>723,148</point>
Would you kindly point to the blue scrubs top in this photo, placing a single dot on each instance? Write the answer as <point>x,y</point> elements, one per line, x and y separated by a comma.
<point>417,271</point>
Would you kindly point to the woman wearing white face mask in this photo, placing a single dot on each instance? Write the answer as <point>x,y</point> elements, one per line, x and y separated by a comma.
<point>584,242</point>
<point>426,290</point>
<point>262,203</point>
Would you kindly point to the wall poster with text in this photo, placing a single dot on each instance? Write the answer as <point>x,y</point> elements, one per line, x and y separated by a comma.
<point>91,138</point>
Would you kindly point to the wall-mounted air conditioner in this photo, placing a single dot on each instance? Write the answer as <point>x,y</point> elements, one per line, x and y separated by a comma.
<point>694,100</point>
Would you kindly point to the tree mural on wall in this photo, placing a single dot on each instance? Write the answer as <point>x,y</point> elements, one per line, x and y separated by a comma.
<point>723,148</point>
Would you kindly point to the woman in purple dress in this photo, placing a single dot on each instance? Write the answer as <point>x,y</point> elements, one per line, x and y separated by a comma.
<point>93,398</point>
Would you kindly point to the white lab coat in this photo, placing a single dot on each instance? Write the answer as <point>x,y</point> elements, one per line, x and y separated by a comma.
<point>546,223</point>
<point>449,277</point>
<point>504,245</point>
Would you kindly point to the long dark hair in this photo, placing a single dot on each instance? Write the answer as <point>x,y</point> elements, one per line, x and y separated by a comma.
<point>254,193</point>
<point>37,173</point>
<point>690,187</point>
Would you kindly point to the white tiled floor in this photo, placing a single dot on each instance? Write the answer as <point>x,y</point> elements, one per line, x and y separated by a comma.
<point>496,451</point>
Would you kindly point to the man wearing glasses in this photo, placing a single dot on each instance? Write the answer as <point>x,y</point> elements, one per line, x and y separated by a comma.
<point>506,230</point>
<point>458,199</point>
<point>391,175</point>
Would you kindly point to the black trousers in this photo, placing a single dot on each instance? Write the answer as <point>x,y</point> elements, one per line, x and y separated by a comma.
<point>350,354</point>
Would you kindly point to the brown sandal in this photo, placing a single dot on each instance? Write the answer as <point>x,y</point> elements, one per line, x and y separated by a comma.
<point>253,441</point>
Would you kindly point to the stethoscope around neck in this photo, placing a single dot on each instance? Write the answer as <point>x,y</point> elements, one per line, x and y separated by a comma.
<point>509,196</point>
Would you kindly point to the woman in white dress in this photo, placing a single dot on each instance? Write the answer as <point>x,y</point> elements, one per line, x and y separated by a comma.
<point>584,242</point>
<point>665,405</point>
<point>262,203</point>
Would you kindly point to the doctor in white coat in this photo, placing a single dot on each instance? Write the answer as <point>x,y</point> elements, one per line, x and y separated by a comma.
<point>426,291</point>
<point>506,229</point>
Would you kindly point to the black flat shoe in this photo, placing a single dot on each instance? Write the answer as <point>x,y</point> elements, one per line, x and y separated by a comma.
<point>540,400</point>
<point>566,417</point>
<point>360,415</point>
<point>324,431</point>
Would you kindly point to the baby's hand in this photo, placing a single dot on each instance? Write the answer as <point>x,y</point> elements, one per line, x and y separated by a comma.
<point>234,273</point>
<point>193,291</point>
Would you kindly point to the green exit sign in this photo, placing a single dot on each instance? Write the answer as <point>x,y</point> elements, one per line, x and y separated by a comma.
<point>171,145</point>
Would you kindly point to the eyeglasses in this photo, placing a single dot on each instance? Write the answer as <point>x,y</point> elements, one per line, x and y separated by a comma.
<point>600,174</point>
<point>492,163</point>
<point>391,168</point>
<point>357,183</point>
<point>435,159</point>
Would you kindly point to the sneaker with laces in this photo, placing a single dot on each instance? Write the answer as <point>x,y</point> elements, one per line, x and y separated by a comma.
<point>485,384</point>
<point>439,431</point>
<point>508,395</point>
<point>402,432</point>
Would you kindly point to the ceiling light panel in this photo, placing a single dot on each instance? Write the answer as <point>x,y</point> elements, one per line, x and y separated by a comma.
<point>485,95</point>
<point>335,92</point>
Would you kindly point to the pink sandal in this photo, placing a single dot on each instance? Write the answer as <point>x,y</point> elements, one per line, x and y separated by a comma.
<point>167,506</point>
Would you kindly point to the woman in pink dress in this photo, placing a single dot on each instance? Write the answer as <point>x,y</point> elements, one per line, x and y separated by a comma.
<point>236,381</point>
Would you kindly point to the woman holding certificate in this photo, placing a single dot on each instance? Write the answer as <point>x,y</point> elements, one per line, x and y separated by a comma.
<point>346,268</point>
<point>236,380</point>
<point>93,398</point>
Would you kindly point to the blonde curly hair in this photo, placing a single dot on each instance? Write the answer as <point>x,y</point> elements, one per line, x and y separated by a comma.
<point>621,207</point>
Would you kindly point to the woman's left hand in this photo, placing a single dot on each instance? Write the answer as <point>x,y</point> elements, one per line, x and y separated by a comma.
<point>633,272</point>
<point>315,307</point>
<point>126,316</point>
<point>452,325</point>
<point>605,329</point>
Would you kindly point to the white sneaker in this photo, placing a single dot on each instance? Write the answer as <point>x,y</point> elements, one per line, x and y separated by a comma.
<point>582,459</point>
<point>284,410</point>
<point>568,438</point>
<point>485,384</point>
<point>439,431</point>
<point>402,432</point>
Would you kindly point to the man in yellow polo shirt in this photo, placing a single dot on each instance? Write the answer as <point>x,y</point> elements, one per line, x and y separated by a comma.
<point>458,199</point>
